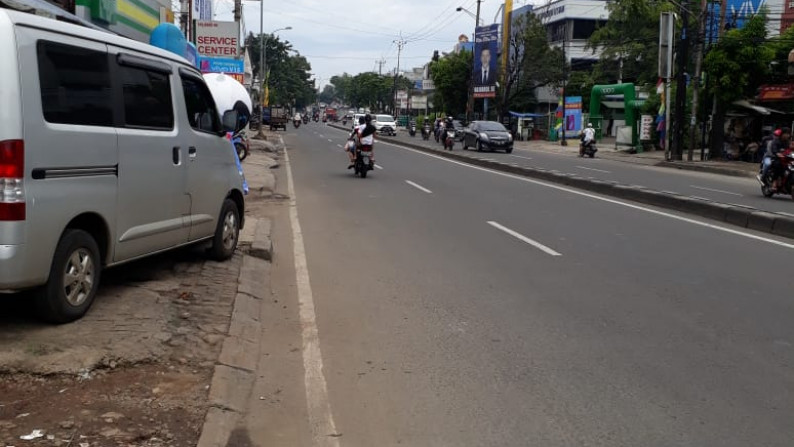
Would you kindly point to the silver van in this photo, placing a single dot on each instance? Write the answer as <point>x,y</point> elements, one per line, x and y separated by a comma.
<point>110,150</point>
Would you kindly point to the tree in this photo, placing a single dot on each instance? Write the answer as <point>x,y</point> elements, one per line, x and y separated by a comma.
<point>629,40</point>
<point>328,95</point>
<point>288,74</point>
<point>737,65</point>
<point>531,63</point>
<point>451,75</point>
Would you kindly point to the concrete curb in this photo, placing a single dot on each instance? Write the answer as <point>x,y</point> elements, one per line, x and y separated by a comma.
<point>234,375</point>
<point>686,166</point>
<point>741,216</point>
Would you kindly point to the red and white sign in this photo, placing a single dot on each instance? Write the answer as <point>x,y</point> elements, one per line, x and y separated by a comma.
<point>218,39</point>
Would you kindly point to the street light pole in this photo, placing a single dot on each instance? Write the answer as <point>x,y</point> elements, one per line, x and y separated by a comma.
<point>470,105</point>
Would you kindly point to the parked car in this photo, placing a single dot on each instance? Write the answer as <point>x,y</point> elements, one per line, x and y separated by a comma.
<point>110,150</point>
<point>487,135</point>
<point>385,124</point>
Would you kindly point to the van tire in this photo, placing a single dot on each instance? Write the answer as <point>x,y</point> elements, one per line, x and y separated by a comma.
<point>77,252</point>
<point>227,232</point>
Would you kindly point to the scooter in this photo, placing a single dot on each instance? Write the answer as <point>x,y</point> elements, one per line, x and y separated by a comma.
<point>587,149</point>
<point>296,123</point>
<point>426,132</point>
<point>306,119</point>
<point>412,129</point>
<point>782,173</point>
<point>363,163</point>
<point>449,139</point>
<point>241,144</point>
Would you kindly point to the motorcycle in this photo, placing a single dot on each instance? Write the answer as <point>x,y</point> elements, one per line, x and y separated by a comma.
<point>782,174</point>
<point>363,163</point>
<point>412,129</point>
<point>296,123</point>
<point>316,119</point>
<point>449,139</point>
<point>426,132</point>
<point>306,119</point>
<point>589,149</point>
<point>241,144</point>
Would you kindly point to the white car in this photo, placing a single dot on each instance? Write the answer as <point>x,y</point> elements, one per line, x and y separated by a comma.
<point>385,124</point>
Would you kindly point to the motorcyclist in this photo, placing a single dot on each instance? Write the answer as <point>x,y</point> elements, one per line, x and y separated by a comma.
<point>352,142</point>
<point>366,138</point>
<point>426,126</point>
<point>588,137</point>
<point>447,125</point>
<point>779,143</point>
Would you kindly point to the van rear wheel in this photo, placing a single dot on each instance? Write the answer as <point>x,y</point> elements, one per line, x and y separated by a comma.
<point>73,281</point>
<point>226,233</point>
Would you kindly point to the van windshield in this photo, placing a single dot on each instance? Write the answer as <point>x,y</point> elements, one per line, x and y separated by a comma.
<point>385,118</point>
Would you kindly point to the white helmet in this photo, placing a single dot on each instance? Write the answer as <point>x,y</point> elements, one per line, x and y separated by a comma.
<point>589,124</point>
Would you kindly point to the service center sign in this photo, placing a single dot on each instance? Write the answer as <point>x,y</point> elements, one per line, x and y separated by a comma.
<point>218,39</point>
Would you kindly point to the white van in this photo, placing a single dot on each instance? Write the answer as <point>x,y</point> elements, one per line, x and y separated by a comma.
<point>110,150</point>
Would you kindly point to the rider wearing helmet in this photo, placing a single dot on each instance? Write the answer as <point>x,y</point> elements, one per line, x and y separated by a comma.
<point>366,138</point>
<point>588,137</point>
<point>779,142</point>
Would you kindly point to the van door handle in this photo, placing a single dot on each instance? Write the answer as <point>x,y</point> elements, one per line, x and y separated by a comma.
<point>191,152</point>
<point>176,155</point>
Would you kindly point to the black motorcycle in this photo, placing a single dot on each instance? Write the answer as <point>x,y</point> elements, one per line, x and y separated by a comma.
<point>426,132</point>
<point>412,129</point>
<point>296,123</point>
<point>363,163</point>
<point>306,119</point>
<point>588,149</point>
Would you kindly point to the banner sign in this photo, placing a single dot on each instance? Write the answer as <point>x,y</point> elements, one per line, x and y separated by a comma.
<point>573,116</point>
<point>427,84</point>
<point>486,42</point>
<point>419,102</point>
<point>401,94</point>
<point>220,65</point>
<point>776,92</point>
<point>646,126</point>
<point>218,39</point>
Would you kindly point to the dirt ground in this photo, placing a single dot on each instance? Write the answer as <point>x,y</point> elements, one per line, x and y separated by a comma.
<point>136,370</point>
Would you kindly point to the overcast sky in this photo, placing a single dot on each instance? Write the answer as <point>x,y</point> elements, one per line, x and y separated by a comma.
<point>350,36</point>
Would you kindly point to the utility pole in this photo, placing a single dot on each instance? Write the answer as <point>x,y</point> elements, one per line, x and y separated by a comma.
<point>380,66</point>
<point>470,105</point>
<point>680,93</point>
<point>717,117</point>
<point>400,44</point>
<point>701,39</point>
<point>238,7</point>
<point>563,141</point>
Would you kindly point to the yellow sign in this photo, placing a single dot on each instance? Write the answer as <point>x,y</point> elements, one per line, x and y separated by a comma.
<point>508,14</point>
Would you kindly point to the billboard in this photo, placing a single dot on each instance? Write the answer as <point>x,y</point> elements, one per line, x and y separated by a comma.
<point>486,42</point>
<point>218,39</point>
<point>221,65</point>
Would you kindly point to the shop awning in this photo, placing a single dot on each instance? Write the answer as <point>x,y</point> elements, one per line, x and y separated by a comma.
<point>757,109</point>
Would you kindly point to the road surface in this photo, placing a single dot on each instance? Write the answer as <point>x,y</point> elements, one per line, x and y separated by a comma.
<point>456,306</point>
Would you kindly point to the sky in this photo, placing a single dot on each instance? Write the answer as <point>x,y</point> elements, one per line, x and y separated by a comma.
<point>339,36</point>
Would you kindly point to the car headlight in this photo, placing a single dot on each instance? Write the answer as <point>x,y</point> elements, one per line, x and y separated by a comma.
<point>483,136</point>
<point>509,137</point>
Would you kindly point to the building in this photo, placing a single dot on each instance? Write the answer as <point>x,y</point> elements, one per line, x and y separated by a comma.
<point>134,19</point>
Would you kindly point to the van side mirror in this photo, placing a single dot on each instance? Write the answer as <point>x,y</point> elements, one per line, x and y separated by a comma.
<point>230,121</point>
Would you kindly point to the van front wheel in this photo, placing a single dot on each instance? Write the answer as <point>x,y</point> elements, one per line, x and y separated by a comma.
<point>226,234</point>
<point>74,279</point>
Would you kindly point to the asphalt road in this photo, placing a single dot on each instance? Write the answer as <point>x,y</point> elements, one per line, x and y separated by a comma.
<point>458,306</point>
<point>716,187</point>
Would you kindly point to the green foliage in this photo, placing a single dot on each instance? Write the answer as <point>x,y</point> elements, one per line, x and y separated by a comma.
<point>327,95</point>
<point>739,61</point>
<point>367,89</point>
<point>780,46</point>
<point>631,35</point>
<point>289,73</point>
<point>451,75</point>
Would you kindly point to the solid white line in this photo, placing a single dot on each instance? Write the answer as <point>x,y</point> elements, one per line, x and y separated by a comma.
<point>715,190</point>
<point>419,187</point>
<point>519,156</point>
<point>377,166</point>
<point>605,199</point>
<point>321,420</point>
<point>593,169</point>
<point>523,238</point>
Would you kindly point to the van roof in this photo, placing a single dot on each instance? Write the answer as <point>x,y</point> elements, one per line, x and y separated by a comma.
<point>81,32</point>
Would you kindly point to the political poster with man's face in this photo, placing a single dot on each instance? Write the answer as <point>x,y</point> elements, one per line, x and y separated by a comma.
<point>486,48</point>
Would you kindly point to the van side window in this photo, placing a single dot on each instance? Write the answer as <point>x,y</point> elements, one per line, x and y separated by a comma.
<point>75,85</point>
<point>201,111</point>
<point>147,98</point>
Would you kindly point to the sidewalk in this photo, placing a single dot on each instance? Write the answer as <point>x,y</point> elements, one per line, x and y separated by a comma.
<point>651,158</point>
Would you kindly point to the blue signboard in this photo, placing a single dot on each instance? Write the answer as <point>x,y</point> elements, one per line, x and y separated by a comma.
<point>220,65</point>
<point>486,48</point>
<point>737,13</point>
